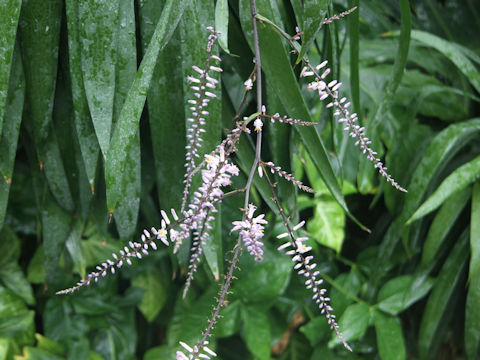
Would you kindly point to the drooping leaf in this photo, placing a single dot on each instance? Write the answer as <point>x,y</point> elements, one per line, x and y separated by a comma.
<point>353,323</point>
<point>456,181</point>
<point>442,223</point>
<point>83,123</point>
<point>11,128</point>
<point>10,11</point>
<point>221,23</point>
<point>127,125</point>
<point>154,295</point>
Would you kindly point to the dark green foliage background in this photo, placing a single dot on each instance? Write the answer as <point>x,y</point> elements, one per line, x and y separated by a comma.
<point>92,135</point>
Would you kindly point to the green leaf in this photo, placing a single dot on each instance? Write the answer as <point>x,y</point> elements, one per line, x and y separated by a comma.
<point>97,25</point>
<point>56,225</point>
<point>10,11</point>
<point>265,280</point>
<point>314,12</point>
<point>159,353</point>
<point>127,125</point>
<point>390,341</point>
<point>440,150</point>
<point>316,330</point>
<point>126,213</point>
<point>16,321</point>
<point>229,322</point>
<point>31,353</point>
<point>11,128</point>
<point>83,123</point>
<point>40,29</point>
<point>472,311</point>
<point>437,311</point>
<point>394,297</point>
<point>443,222</point>
<point>155,293</point>
<point>256,332</point>
<point>353,323</point>
<point>221,23</point>
<point>472,318</point>
<point>455,182</point>
<point>451,51</point>
<point>276,65</point>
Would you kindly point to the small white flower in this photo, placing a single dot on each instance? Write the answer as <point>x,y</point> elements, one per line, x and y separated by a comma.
<point>258,124</point>
<point>248,84</point>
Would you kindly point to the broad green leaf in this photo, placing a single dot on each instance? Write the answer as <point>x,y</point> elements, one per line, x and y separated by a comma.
<point>437,311</point>
<point>73,245</point>
<point>127,125</point>
<point>256,331</point>
<point>221,23</point>
<point>472,311</point>
<point>229,322</point>
<point>166,118</point>
<point>276,65</point>
<point>451,51</point>
<point>40,29</point>
<point>394,297</point>
<point>49,345</point>
<point>36,267</point>
<point>126,213</point>
<point>11,128</point>
<point>190,319</point>
<point>83,123</point>
<point>353,323</point>
<point>10,10</point>
<point>32,353</point>
<point>316,330</point>
<point>390,341</point>
<point>442,223</point>
<point>97,25</point>
<point>265,280</point>
<point>455,182</point>
<point>472,318</point>
<point>155,293</point>
<point>314,12</point>
<point>475,233</point>
<point>6,348</point>
<point>159,353</point>
<point>16,321</point>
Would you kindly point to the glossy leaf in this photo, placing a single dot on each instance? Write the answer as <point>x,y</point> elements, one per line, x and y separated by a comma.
<point>10,11</point>
<point>442,223</point>
<point>11,128</point>
<point>393,297</point>
<point>448,280</point>
<point>456,181</point>
<point>390,340</point>
<point>221,23</point>
<point>154,295</point>
<point>83,123</point>
<point>353,323</point>
<point>40,28</point>
<point>127,125</point>
<point>472,312</point>
<point>257,332</point>
<point>314,12</point>
<point>97,25</point>
<point>451,51</point>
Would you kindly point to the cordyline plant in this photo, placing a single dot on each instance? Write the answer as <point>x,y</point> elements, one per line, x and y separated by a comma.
<point>216,169</point>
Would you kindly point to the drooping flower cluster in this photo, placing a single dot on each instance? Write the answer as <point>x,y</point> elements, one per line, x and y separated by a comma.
<point>306,268</point>
<point>133,250</point>
<point>251,231</point>
<point>330,90</point>
<point>195,353</point>
<point>202,208</point>
<point>200,86</point>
